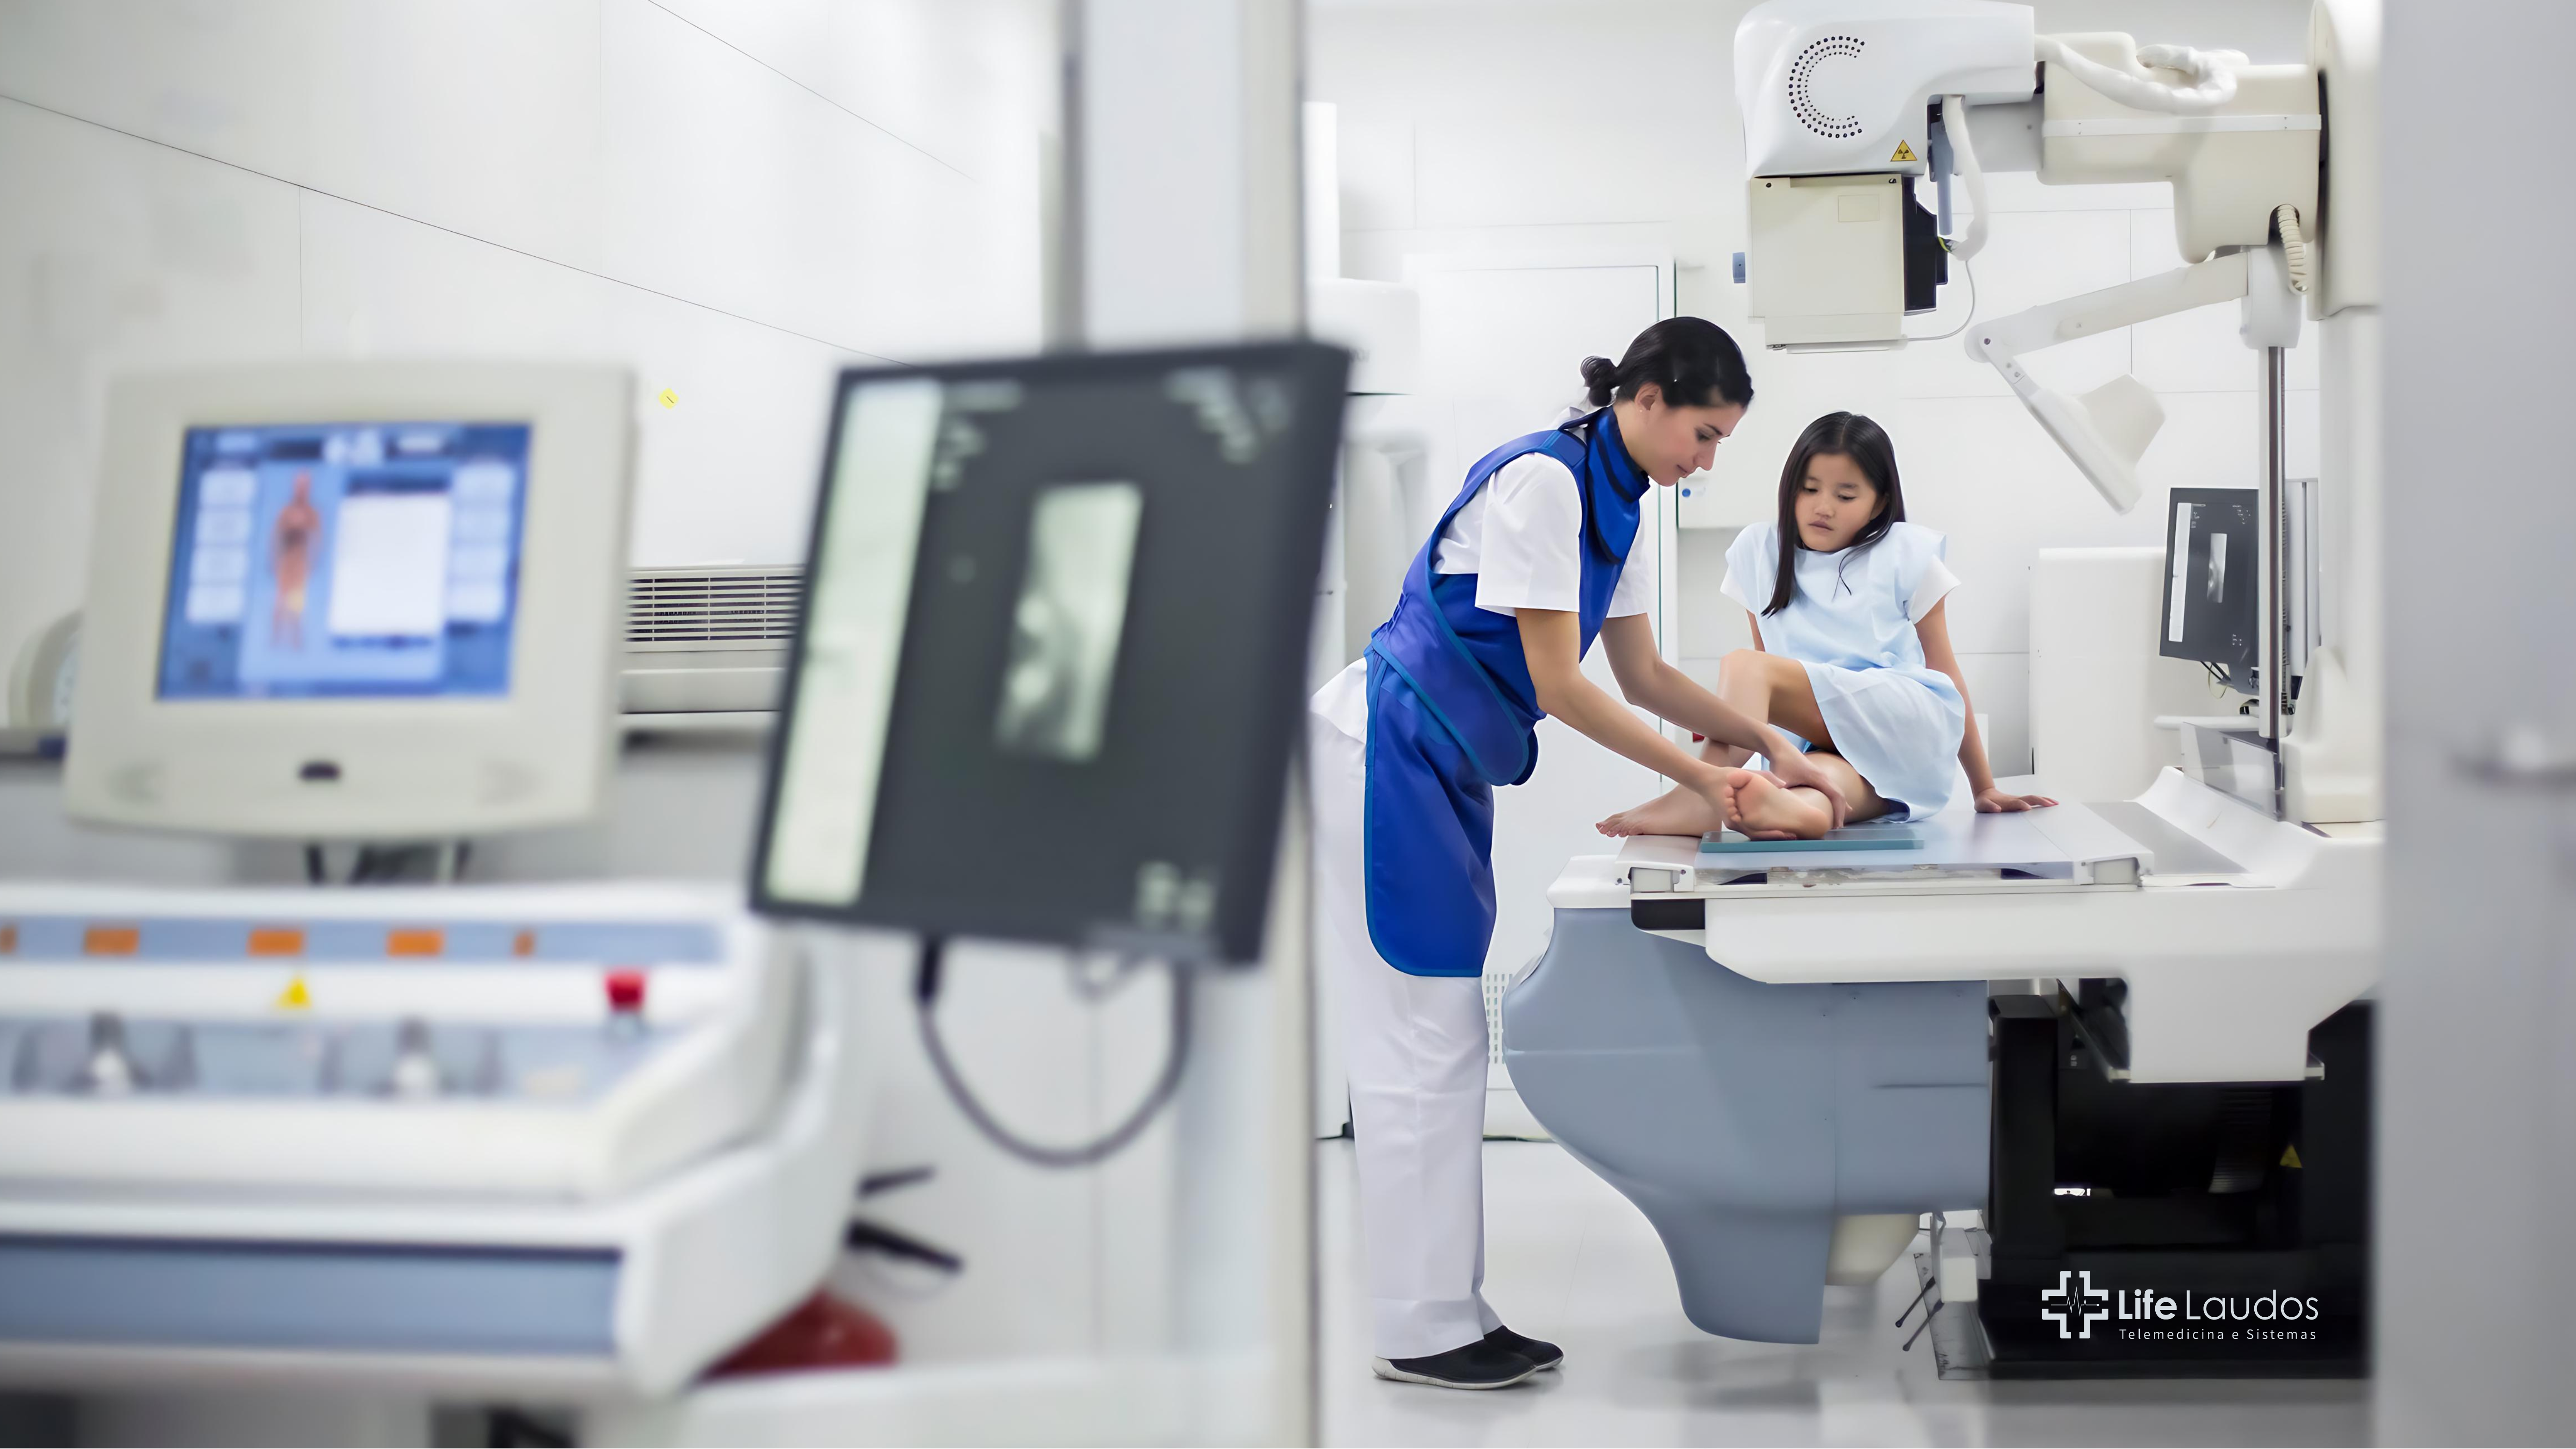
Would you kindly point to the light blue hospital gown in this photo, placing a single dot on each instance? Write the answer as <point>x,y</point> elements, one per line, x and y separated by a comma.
<point>1851,623</point>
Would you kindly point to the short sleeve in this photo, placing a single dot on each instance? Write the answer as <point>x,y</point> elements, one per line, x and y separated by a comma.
<point>1926,579</point>
<point>1935,585</point>
<point>1635,591</point>
<point>1750,561</point>
<point>1531,555</point>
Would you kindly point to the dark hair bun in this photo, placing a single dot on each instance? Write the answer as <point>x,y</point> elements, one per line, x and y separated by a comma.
<point>1600,376</point>
<point>1690,360</point>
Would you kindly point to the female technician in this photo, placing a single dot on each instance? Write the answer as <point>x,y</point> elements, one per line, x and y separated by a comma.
<point>1528,566</point>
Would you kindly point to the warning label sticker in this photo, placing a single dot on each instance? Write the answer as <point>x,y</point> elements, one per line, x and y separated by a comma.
<point>1904,152</point>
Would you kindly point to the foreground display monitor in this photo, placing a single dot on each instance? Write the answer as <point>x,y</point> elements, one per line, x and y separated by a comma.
<point>353,601</point>
<point>1049,671</point>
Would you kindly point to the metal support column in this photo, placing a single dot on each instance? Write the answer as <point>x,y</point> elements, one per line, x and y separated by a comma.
<point>2274,652</point>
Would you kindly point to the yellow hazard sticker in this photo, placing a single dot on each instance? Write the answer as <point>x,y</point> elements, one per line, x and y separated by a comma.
<point>667,398</point>
<point>297,996</point>
<point>1904,152</point>
<point>2290,1156</point>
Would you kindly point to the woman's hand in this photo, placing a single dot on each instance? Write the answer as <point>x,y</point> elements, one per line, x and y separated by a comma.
<point>1995,800</point>
<point>1792,768</point>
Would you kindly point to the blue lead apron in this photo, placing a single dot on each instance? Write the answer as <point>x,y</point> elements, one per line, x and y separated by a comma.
<point>1453,713</point>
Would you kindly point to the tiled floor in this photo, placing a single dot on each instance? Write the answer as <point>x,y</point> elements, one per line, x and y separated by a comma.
<point>1569,1260</point>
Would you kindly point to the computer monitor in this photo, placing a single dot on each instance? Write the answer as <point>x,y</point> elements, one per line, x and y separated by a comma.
<point>1053,646</point>
<point>2213,578</point>
<point>353,600</point>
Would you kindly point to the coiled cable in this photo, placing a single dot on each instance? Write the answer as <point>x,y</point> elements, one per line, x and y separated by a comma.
<point>2212,73</point>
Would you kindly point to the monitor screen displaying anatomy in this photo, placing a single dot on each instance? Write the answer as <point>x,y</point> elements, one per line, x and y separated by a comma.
<point>344,560</point>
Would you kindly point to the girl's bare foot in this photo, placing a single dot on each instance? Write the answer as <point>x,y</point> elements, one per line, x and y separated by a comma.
<point>1766,810</point>
<point>1675,812</point>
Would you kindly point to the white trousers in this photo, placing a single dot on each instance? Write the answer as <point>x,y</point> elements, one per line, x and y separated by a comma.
<point>1415,1050</point>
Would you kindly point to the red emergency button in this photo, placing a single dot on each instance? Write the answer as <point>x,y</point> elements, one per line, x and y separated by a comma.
<point>626,990</point>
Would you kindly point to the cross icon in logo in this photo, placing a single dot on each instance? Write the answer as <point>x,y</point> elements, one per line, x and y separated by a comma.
<point>2071,1298</point>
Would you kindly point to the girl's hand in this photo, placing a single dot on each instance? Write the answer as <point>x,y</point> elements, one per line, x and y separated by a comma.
<point>1994,800</point>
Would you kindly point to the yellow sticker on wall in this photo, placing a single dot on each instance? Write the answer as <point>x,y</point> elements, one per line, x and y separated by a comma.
<point>1904,152</point>
<point>667,398</point>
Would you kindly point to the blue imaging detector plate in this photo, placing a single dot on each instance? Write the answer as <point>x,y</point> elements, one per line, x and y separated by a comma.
<point>1849,838</point>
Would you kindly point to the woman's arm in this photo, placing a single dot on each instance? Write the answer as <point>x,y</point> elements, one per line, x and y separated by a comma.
<point>1549,637</point>
<point>1934,630</point>
<point>1551,640</point>
<point>1653,684</point>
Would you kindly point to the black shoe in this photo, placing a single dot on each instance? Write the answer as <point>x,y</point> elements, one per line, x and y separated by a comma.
<point>1478,1365</point>
<point>1537,1350</point>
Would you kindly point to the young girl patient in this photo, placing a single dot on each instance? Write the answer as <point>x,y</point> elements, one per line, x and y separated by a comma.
<point>1851,651</point>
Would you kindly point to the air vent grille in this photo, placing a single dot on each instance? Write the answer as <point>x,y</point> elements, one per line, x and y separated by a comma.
<point>1802,94</point>
<point>703,608</point>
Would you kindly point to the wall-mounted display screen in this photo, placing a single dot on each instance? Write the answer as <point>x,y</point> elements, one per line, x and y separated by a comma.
<point>1056,620</point>
<point>345,560</point>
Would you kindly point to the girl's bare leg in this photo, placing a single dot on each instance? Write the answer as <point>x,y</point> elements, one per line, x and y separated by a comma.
<point>1770,687</point>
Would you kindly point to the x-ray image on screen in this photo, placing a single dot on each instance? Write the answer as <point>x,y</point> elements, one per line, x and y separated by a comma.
<point>1066,623</point>
<point>2213,570</point>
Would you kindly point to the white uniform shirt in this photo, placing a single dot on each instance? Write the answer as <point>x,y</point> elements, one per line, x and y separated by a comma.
<point>1522,536</point>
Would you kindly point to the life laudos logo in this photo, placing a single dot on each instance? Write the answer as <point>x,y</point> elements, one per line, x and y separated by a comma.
<point>2075,1302</point>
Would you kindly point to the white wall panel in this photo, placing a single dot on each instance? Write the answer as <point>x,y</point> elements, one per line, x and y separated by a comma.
<point>1374,151</point>
<point>931,76</point>
<point>1527,162</point>
<point>222,80</point>
<point>1381,255</point>
<point>480,115</point>
<point>725,476</point>
<point>730,199</point>
<point>1712,625</point>
<point>725,183</point>
<point>114,253</point>
<point>1518,333</point>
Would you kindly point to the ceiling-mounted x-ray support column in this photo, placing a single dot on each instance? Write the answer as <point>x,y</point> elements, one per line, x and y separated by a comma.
<point>1180,224</point>
<point>1183,170</point>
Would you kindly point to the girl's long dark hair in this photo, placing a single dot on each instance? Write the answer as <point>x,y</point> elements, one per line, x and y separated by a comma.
<point>1691,359</point>
<point>1867,445</point>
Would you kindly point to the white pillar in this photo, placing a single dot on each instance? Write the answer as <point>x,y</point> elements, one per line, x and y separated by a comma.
<point>1188,170</point>
<point>1183,188</point>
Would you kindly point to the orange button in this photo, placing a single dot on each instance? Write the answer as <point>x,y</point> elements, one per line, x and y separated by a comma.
<point>112,940</point>
<point>524,944</point>
<point>8,940</point>
<point>276,941</point>
<point>415,943</point>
